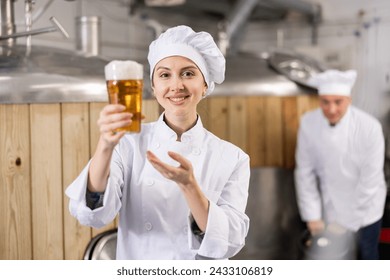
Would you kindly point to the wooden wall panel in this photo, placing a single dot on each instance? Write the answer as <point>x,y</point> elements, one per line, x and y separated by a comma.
<point>273,131</point>
<point>204,112</point>
<point>94,112</point>
<point>256,130</point>
<point>46,181</point>
<point>15,188</point>
<point>306,103</point>
<point>290,128</point>
<point>75,151</point>
<point>218,117</point>
<point>237,126</point>
<point>43,147</point>
<point>151,110</point>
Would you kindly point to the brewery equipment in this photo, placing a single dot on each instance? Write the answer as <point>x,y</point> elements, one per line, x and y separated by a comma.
<point>39,74</point>
<point>51,75</point>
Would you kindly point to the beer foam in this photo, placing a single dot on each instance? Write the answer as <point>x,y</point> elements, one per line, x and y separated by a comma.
<point>123,70</point>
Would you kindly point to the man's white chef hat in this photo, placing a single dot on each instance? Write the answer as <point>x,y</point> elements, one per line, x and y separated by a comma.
<point>197,46</point>
<point>334,82</point>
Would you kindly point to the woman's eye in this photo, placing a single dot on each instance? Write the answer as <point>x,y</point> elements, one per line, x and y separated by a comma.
<point>164,75</point>
<point>188,74</point>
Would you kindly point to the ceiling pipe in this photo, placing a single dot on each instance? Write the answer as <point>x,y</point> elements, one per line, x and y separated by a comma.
<point>235,21</point>
<point>232,26</point>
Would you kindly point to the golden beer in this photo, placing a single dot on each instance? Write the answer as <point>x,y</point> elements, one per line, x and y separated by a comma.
<point>124,86</point>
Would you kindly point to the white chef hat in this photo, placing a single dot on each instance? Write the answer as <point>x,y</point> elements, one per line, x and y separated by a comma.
<point>197,46</point>
<point>334,82</point>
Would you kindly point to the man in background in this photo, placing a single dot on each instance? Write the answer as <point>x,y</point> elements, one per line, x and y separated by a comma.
<point>339,174</point>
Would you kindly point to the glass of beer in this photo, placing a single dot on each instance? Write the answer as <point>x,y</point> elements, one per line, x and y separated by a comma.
<point>124,80</point>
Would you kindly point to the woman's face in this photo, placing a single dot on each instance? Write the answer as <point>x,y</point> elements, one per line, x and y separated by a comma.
<point>178,85</point>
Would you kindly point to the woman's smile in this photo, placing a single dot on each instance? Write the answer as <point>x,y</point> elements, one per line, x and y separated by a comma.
<point>177,100</point>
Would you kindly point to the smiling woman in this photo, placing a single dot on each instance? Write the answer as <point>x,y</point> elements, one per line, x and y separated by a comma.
<point>180,191</point>
<point>179,86</point>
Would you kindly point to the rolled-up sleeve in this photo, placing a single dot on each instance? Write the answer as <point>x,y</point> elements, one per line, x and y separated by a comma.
<point>227,225</point>
<point>103,215</point>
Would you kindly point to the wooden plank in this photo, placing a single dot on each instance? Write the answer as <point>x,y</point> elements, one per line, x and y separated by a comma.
<point>218,121</point>
<point>94,111</point>
<point>237,114</point>
<point>47,191</point>
<point>256,130</point>
<point>290,128</point>
<point>304,104</point>
<point>94,134</point>
<point>75,151</point>
<point>274,131</point>
<point>151,110</point>
<point>203,110</point>
<point>15,188</point>
<point>314,101</point>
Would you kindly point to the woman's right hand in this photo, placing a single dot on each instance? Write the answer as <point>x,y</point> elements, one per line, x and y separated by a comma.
<point>112,117</point>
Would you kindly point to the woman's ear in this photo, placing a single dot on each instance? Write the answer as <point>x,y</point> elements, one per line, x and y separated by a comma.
<point>204,90</point>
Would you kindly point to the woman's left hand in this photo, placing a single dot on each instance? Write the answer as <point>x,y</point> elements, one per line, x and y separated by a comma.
<point>183,175</point>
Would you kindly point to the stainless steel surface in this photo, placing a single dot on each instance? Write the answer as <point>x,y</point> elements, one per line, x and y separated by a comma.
<point>248,74</point>
<point>275,226</point>
<point>102,246</point>
<point>50,75</point>
<point>338,244</point>
<point>297,67</point>
<point>37,74</point>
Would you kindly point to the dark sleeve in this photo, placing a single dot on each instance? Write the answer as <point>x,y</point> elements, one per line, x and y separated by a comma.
<point>94,199</point>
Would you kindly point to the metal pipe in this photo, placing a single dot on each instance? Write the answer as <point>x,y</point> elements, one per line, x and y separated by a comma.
<point>7,20</point>
<point>231,27</point>
<point>234,23</point>
<point>57,27</point>
<point>239,16</point>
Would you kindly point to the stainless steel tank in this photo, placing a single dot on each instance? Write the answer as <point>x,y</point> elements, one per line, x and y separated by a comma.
<point>51,75</point>
<point>275,226</point>
<point>251,74</point>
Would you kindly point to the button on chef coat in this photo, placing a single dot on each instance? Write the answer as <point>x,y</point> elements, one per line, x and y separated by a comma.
<point>348,160</point>
<point>152,209</point>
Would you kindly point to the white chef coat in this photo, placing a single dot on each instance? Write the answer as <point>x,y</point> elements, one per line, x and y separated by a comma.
<point>347,161</point>
<point>154,219</point>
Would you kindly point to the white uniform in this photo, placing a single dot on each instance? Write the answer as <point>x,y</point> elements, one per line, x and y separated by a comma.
<point>154,219</point>
<point>347,160</point>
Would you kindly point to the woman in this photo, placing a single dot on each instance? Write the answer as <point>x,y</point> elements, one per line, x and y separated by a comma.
<point>180,191</point>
